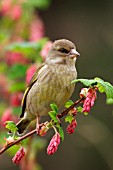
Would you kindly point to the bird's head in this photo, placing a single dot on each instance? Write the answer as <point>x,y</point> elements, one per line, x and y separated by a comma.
<point>62,52</point>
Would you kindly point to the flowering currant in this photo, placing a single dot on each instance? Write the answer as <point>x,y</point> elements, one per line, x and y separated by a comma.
<point>53,145</point>
<point>19,155</point>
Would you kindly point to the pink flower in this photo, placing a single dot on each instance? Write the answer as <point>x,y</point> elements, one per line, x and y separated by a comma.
<point>15,99</point>
<point>18,156</point>
<point>11,10</point>
<point>46,49</point>
<point>53,145</point>
<point>5,7</point>
<point>30,72</point>
<point>36,30</point>
<point>15,57</point>
<point>7,116</point>
<point>89,100</point>
<point>72,126</point>
<point>16,12</point>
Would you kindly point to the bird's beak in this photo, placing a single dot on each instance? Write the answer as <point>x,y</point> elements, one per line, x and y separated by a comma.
<point>74,53</point>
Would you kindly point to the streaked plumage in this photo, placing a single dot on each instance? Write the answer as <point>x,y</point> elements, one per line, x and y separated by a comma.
<point>50,83</point>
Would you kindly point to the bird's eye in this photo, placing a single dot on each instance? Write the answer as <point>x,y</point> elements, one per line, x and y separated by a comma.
<point>63,50</point>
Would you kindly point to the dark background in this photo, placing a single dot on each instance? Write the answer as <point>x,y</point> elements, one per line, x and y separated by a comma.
<point>89,24</point>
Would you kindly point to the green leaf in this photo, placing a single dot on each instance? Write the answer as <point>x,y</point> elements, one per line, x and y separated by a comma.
<point>69,103</point>
<point>79,109</point>
<point>53,115</point>
<point>29,49</point>
<point>17,71</point>
<point>85,113</point>
<point>69,118</point>
<point>11,126</point>
<point>61,132</point>
<point>109,101</point>
<point>24,47</point>
<point>54,107</point>
<point>17,86</point>
<point>99,83</point>
<point>86,82</point>
<point>105,87</point>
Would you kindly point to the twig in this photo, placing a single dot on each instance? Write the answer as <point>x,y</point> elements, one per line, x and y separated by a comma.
<point>65,112</point>
<point>35,130</point>
<point>17,141</point>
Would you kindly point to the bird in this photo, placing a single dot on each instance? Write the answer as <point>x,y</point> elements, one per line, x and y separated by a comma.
<point>51,83</point>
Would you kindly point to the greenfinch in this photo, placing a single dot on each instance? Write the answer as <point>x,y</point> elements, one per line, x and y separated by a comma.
<point>50,83</point>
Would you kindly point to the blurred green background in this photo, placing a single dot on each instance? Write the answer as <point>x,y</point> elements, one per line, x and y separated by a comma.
<point>89,24</point>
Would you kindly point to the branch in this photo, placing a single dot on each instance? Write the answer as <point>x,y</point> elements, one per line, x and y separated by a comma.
<point>17,141</point>
<point>35,130</point>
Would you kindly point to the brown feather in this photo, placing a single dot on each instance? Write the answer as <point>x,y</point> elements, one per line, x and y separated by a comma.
<point>33,80</point>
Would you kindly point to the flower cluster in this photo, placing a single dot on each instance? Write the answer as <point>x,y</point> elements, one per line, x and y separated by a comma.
<point>18,156</point>
<point>71,127</point>
<point>89,99</point>
<point>15,58</point>
<point>53,145</point>
<point>11,10</point>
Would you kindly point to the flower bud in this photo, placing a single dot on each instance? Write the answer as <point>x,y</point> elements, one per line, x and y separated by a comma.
<point>43,129</point>
<point>71,127</point>
<point>18,156</point>
<point>89,100</point>
<point>53,145</point>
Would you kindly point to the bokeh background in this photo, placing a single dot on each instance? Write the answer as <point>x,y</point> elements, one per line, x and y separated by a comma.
<point>89,24</point>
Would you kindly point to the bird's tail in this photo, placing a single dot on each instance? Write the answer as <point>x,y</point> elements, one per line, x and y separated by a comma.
<point>22,125</point>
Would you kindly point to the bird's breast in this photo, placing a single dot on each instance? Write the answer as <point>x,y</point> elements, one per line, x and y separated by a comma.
<point>53,86</point>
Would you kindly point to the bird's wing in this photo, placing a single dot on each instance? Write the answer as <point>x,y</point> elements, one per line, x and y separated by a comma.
<point>33,80</point>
